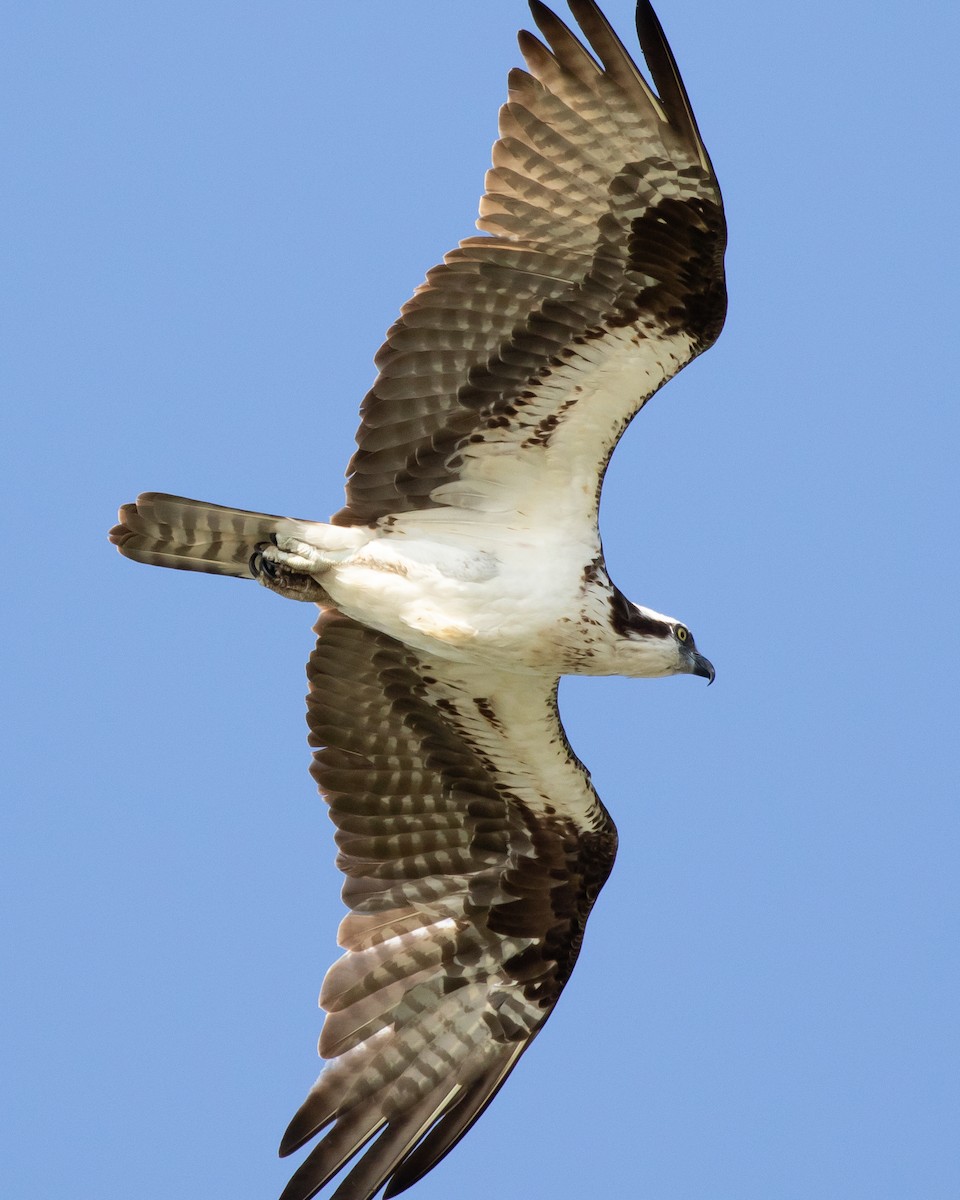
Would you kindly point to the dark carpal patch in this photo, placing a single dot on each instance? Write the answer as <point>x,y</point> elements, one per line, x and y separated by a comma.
<point>407,757</point>
<point>506,311</point>
<point>680,243</point>
<point>555,893</point>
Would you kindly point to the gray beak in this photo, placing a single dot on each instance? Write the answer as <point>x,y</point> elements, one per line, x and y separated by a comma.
<point>703,667</point>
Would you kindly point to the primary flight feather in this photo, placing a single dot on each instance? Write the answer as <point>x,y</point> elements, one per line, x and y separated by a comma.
<point>464,576</point>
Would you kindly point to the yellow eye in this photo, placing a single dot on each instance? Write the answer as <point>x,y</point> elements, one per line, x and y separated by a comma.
<point>682,634</point>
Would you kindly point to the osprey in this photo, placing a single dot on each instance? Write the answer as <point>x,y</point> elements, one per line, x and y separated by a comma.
<point>464,576</point>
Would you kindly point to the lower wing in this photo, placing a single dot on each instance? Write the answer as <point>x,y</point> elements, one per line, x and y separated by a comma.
<point>474,847</point>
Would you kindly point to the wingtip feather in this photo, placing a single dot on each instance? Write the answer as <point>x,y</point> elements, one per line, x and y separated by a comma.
<point>667,79</point>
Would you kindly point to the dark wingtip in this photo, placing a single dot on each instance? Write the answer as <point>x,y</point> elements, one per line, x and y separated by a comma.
<point>666,77</point>
<point>301,1129</point>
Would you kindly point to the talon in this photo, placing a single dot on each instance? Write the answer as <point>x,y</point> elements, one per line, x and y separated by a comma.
<point>259,565</point>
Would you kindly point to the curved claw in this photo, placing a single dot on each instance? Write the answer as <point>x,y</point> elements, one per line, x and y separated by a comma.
<point>260,565</point>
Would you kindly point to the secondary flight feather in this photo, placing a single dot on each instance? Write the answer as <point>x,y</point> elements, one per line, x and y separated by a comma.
<point>464,576</point>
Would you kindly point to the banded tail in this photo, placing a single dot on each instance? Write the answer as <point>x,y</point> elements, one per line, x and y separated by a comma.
<point>188,535</point>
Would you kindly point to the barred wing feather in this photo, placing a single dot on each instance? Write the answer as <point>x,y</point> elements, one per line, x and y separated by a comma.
<point>472,842</point>
<point>599,276</point>
<point>473,847</point>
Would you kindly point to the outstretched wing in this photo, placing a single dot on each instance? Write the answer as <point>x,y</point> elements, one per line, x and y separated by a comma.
<point>514,369</point>
<point>474,847</point>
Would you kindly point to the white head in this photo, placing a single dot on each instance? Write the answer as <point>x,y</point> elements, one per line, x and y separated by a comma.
<point>651,645</point>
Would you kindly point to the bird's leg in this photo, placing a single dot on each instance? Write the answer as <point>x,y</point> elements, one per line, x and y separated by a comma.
<point>289,569</point>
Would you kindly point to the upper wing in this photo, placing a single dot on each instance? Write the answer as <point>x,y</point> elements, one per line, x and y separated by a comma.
<point>601,276</point>
<point>474,848</point>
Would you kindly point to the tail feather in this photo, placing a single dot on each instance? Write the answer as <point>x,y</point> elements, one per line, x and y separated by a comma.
<point>188,535</point>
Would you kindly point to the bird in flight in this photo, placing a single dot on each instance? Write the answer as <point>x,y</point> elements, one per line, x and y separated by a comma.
<point>464,576</point>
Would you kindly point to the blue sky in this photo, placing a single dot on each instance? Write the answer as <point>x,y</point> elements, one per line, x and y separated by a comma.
<point>212,213</point>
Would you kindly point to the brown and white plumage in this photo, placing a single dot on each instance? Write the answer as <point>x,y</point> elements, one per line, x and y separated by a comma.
<point>467,906</point>
<point>463,576</point>
<point>602,255</point>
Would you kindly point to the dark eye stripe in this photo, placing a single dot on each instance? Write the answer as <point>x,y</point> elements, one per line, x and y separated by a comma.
<point>628,619</point>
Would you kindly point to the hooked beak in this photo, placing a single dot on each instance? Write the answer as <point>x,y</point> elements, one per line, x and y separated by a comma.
<point>703,667</point>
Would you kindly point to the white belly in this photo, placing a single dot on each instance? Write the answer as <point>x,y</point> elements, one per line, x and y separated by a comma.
<point>516,604</point>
